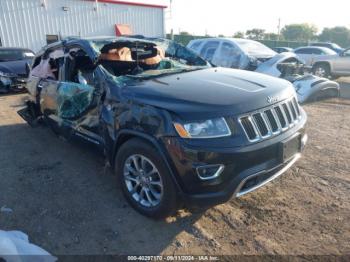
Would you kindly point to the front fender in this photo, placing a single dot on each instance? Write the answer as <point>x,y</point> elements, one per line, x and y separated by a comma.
<point>157,143</point>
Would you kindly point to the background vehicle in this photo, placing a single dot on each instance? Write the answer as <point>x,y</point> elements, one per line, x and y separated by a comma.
<point>333,66</point>
<point>174,128</point>
<point>13,68</point>
<point>282,49</point>
<point>336,48</point>
<point>311,54</point>
<point>251,55</point>
<point>232,52</point>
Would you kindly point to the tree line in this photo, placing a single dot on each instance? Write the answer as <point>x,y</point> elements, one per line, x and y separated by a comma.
<point>301,33</point>
<point>298,33</point>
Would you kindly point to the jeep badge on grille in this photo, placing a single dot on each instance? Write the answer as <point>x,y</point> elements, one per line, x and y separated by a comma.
<point>272,99</point>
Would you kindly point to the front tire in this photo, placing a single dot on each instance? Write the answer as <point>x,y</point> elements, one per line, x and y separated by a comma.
<point>321,70</point>
<point>145,179</point>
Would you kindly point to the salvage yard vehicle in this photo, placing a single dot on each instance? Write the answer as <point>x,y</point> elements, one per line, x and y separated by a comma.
<point>310,54</point>
<point>254,56</point>
<point>333,66</point>
<point>13,68</point>
<point>282,49</point>
<point>175,129</point>
<point>335,47</point>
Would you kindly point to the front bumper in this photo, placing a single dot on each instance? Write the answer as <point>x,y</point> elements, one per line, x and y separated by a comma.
<point>309,88</point>
<point>246,168</point>
<point>8,84</point>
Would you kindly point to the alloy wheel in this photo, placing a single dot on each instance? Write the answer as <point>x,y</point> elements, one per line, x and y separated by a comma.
<point>143,180</point>
<point>320,71</point>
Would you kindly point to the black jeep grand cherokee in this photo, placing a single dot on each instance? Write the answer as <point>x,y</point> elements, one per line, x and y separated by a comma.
<point>175,129</point>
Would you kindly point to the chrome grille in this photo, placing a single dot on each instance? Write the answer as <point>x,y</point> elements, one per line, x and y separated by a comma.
<point>271,121</point>
<point>262,126</point>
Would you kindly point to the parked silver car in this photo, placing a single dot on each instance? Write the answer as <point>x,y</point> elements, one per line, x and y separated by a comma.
<point>335,47</point>
<point>333,66</point>
<point>310,54</point>
<point>254,56</point>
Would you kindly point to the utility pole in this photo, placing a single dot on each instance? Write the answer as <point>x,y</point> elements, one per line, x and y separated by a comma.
<point>168,18</point>
<point>279,28</point>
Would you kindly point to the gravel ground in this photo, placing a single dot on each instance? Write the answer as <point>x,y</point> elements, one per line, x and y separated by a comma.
<point>68,202</point>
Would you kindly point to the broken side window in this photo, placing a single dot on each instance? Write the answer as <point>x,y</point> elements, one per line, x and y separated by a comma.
<point>75,94</point>
<point>73,99</point>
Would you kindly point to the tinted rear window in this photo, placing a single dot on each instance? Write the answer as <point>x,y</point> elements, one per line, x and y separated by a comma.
<point>12,55</point>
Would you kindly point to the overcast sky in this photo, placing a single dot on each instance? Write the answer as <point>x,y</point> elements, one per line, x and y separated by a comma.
<point>228,16</point>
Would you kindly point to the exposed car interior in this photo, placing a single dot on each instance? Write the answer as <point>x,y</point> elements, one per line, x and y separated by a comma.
<point>79,67</point>
<point>291,67</point>
<point>134,57</point>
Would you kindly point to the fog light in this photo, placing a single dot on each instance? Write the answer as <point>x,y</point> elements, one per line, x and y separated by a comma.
<point>208,172</point>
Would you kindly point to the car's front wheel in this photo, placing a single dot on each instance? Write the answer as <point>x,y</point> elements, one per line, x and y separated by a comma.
<point>145,179</point>
<point>321,70</point>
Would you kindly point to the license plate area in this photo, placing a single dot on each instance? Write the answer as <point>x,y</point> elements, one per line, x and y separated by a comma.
<point>290,147</point>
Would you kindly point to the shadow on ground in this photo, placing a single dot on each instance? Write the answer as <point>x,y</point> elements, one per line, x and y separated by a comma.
<point>344,87</point>
<point>67,201</point>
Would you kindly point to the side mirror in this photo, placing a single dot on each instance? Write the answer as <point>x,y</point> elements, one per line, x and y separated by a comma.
<point>28,68</point>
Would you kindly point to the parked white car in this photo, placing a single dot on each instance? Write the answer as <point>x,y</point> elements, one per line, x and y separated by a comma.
<point>252,55</point>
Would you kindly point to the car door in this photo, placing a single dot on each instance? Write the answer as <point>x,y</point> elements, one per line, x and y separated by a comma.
<point>209,50</point>
<point>306,55</point>
<point>341,64</point>
<point>49,73</point>
<point>228,55</point>
<point>76,89</point>
<point>195,46</point>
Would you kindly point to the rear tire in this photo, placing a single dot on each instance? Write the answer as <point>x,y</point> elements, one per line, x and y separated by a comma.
<point>321,70</point>
<point>145,179</point>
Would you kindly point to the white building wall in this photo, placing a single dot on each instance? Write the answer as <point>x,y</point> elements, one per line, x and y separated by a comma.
<point>25,23</point>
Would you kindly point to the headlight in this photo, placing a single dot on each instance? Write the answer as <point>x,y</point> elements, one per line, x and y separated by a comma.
<point>204,129</point>
<point>5,78</point>
<point>6,81</point>
<point>7,74</point>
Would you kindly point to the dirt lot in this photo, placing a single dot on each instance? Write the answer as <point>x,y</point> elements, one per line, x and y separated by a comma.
<point>65,199</point>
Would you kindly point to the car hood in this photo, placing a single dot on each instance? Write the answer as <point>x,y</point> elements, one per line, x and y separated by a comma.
<point>210,92</point>
<point>14,67</point>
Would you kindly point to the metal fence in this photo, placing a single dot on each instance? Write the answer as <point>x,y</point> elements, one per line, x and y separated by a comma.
<point>185,39</point>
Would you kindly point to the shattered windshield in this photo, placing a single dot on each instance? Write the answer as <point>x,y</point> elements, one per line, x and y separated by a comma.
<point>146,58</point>
<point>255,48</point>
